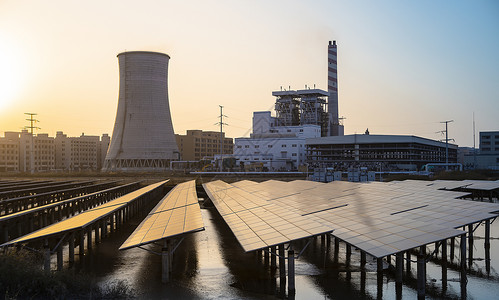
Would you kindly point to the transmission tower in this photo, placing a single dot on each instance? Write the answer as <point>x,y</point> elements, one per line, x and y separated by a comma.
<point>447,143</point>
<point>32,127</point>
<point>221,123</point>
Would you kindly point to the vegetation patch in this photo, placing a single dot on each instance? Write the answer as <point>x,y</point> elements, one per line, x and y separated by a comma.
<point>22,277</point>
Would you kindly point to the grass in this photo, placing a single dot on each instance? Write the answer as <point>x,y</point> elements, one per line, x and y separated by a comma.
<point>21,277</point>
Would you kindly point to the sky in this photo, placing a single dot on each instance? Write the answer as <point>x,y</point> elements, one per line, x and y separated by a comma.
<point>403,66</point>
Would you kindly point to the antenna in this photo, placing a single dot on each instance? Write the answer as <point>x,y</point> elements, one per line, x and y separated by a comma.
<point>221,123</point>
<point>31,126</point>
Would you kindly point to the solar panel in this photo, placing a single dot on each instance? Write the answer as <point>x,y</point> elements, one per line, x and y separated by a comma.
<point>177,213</point>
<point>379,218</point>
<point>256,222</point>
<point>88,217</point>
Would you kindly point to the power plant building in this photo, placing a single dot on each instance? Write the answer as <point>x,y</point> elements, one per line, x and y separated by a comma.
<point>275,148</point>
<point>143,137</point>
<point>388,152</point>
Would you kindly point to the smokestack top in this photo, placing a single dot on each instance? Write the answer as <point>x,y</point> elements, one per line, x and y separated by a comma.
<point>332,44</point>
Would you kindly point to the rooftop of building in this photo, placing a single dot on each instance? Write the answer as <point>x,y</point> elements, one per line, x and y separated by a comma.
<point>375,139</point>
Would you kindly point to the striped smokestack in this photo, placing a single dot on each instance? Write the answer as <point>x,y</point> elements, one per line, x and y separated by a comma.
<point>332,88</point>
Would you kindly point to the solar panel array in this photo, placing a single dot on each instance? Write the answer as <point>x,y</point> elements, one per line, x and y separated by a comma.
<point>379,218</point>
<point>88,217</point>
<point>177,213</point>
<point>256,222</point>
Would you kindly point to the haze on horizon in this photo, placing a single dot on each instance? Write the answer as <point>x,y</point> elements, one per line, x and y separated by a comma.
<point>403,67</point>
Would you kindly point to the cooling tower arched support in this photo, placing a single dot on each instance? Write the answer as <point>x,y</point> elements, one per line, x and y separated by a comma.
<point>143,137</point>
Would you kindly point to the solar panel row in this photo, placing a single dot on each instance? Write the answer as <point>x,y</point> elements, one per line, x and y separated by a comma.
<point>88,217</point>
<point>177,213</point>
<point>379,218</point>
<point>256,222</point>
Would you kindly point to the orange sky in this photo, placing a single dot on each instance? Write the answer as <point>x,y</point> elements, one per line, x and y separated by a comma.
<point>402,67</point>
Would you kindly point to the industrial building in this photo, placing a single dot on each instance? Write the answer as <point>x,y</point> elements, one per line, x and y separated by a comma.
<point>62,153</point>
<point>301,107</point>
<point>143,137</point>
<point>487,156</point>
<point>375,152</point>
<point>197,144</point>
<point>278,143</point>
<point>274,148</point>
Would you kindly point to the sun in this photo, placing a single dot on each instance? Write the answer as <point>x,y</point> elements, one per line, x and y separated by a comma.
<point>11,75</point>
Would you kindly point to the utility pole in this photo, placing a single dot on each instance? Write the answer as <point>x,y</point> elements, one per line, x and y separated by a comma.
<point>221,123</point>
<point>447,144</point>
<point>31,126</point>
<point>474,146</point>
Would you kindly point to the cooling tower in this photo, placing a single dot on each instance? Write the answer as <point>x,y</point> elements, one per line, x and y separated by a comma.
<point>143,137</point>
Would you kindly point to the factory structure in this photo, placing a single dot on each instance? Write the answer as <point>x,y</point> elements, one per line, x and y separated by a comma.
<point>278,143</point>
<point>143,137</point>
<point>307,133</point>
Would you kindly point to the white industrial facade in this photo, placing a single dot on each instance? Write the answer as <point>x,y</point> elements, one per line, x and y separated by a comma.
<point>143,137</point>
<point>275,148</point>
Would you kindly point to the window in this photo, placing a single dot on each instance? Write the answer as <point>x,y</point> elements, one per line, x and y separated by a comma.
<point>239,146</point>
<point>257,146</point>
<point>289,130</point>
<point>294,145</point>
<point>283,145</point>
<point>270,146</point>
<point>293,154</point>
<point>246,146</point>
<point>301,130</point>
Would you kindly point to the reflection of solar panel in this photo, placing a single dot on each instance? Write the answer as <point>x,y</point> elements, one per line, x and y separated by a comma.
<point>177,213</point>
<point>88,217</point>
<point>256,222</point>
<point>379,218</point>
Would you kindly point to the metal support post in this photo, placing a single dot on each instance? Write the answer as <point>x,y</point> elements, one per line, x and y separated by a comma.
<point>72,247</point>
<point>408,261</point>
<point>363,259</point>
<point>421,272</point>
<point>165,257</point>
<point>348,253</point>
<point>82,243</point>
<point>452,247</point>
<point>273,263</point>
<point>282,267</point>
<point>444,265</point>
<point>291,272</point>
<point>470,248</point>
<point>46,256</point>
<point>463,266</point>
<point>399,266</point>
<point>59,258</point>
<point>89,238</point>
<point>487,246</point>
